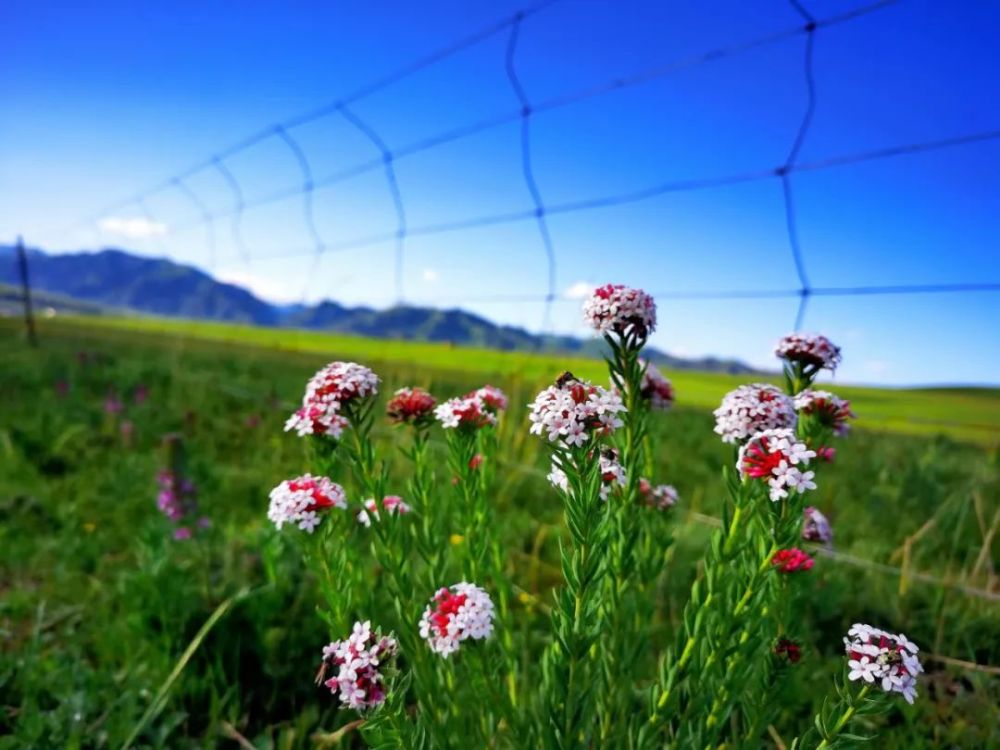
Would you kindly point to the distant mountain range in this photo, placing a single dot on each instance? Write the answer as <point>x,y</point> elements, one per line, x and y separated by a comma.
<point>114,280</point>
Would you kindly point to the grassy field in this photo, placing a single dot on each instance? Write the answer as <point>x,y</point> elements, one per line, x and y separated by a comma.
<point>103,614</point>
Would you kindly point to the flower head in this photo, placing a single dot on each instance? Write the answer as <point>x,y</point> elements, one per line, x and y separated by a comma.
<point>300,501</point>
<point>791,560</point>
<point>411,406</point>
<point>492,398</point>
<point>788,649</point>
<point>359,661</point>
<point>815,527</point>
<point>333,388</point>
<point>752,408</point>
<point>777,457</point>
<point>619,309</point>
<point>456,613</point>
<point>392,504</point>
<point>809,349</point>
<point>612,473</point>
<point>656,388</point>
<point>573,411</point>
<point>829,410</point>
<point>876,656</point>
<point>465,413</point>
<point>177,499</point>
<point>660,496</point>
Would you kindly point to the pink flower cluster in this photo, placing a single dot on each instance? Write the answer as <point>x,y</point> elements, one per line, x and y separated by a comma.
<point>411,406</point>
<point>751,409</point>
<point>816,527</point>
<point>886,658</point>
<point>791,560</point>
<point>177,500</point>
<point>612,473</point>
<point>657,388</point>
<point>392,504</point>
<point>455,614</point>
<point>615,308</point>
<point>480,408</point>
<point>775,457</point>
<point>829,410</point>
<point>300,501</point>
<point>330,390</point>
<point>573,411</point>
<point>809,349</point>
<point>660,496</point>
<point>359,660</point>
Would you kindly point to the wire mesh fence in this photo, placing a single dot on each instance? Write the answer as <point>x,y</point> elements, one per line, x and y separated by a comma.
<point>537,209</point>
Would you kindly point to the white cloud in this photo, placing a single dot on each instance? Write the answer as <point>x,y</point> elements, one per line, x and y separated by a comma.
<point>877,367</point>
<point>132,227</point>
<point>579,290</point>
<point>430,275</point>
<point>268,289</point>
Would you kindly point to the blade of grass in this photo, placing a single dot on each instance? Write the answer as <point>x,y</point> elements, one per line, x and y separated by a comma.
<point>160,699</point>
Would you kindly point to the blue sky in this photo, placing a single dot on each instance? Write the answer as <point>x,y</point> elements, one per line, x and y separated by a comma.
<point>104,99</point>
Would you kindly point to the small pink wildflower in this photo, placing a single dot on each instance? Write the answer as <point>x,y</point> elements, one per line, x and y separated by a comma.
<point>791,560</point>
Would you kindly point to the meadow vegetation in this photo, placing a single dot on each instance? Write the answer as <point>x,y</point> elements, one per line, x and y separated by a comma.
<point>114,633</point>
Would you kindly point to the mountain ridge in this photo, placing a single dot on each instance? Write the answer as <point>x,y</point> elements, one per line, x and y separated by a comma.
<point>122,281</point>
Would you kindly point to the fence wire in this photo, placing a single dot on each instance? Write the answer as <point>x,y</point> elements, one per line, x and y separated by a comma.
<point>810,28</point>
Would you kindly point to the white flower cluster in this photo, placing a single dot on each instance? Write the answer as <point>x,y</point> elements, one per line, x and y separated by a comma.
<point>775,456</point>
<point>299,501</point>
<point>393,505</point>
<point>359,661</point>
<point>831,410</point>
<point>326,393</point>
<point>491,397</point>
<point>891,659</point>
<point>816,527</point>
<point>612,474</point>
<point>455,614</point>
<point>660,496</point>
<point>809,349</point>
<point>752,408</point>
<point>571,411</point>
<point>617,308</point>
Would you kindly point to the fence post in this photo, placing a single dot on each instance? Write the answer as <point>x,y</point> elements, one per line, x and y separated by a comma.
<point>29,317</point>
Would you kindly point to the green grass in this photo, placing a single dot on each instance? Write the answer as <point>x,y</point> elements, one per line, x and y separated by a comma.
<point>102,613</point>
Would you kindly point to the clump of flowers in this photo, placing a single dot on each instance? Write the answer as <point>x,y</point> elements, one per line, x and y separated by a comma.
<point>826,453</point>
<point>612,473</point>
<point>573,411</point>
<point>455,614</point>
<point>775,457</point>
<point>334,388</point>
<point>392,504</point>
<point>656,388</point>
<point>751,409</point>
<point>660,496</point>
<point>411,406</point>
<point>877,656</point>
<point>810,350</point>
<point>360,661</point>
<point>113,404</point>
<point>829,410</point>
<point>791,560</point>
<point>816,527</point>
<point>615,308</point>
<point>300,501</point>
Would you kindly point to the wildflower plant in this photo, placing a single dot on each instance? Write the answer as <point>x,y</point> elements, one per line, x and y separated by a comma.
<point>468,666</point>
